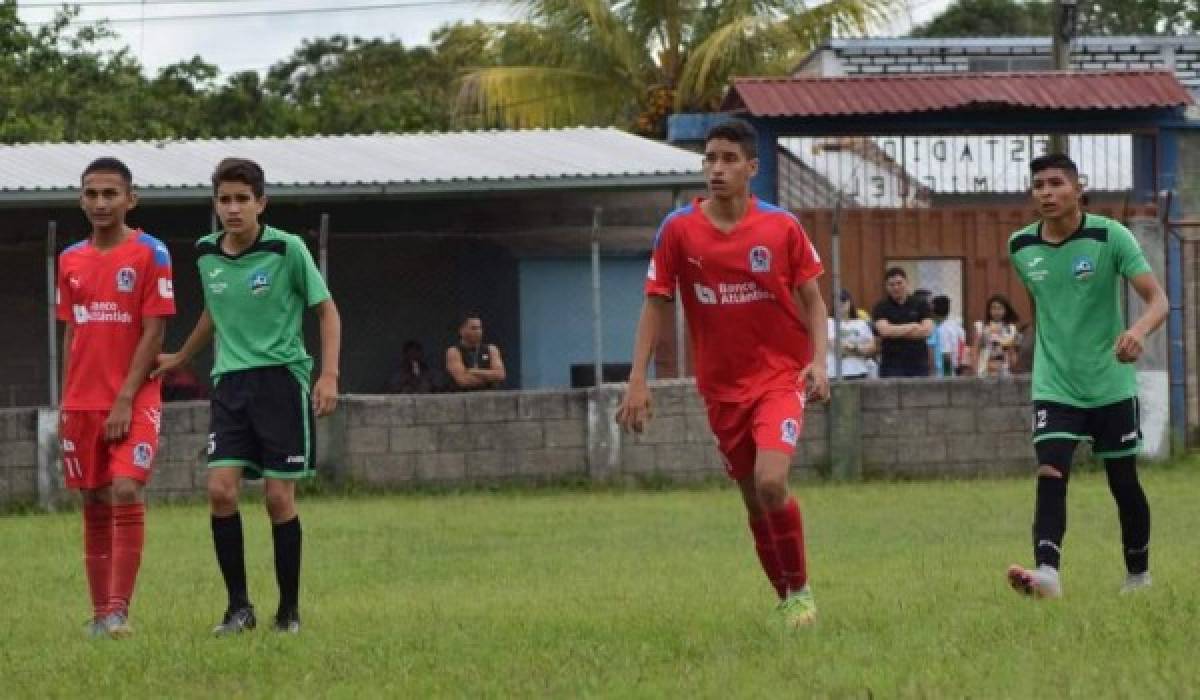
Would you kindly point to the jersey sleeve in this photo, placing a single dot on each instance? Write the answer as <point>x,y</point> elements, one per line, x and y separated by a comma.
<point>1129,258</point>
<point>305,275</point>
<point>158,292</point>
<point>664,267</point>
<point>62,294</point>
<point>805,261</point>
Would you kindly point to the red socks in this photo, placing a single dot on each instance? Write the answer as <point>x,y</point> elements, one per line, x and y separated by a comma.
<point>128,538</point>
<point>97,553</point>
<point>787,530</point>
<point>765,546</point>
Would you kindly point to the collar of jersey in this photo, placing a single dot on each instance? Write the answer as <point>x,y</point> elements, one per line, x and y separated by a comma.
<point>262,231</point>
<point>751,210</point>
<point>1082,225</point>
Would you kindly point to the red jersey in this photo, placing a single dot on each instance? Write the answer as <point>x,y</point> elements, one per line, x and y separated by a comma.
<point>747,334</point>
<point>104,295</point>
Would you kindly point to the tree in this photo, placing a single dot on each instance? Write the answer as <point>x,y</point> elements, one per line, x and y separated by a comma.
<point>1036,18</point>
<point>632,62</point>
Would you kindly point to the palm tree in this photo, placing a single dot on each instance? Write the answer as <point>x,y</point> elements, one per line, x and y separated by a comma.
<point>632,62</point>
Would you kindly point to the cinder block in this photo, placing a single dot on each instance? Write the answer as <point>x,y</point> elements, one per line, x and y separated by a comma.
<point>491,408</point>
<point>577,404</point>
<point>174,475</point>
<point>439,409</point>
<point>18,454</point>
<point>552,463</point>
<point>894,423</point>
<point>542,406</point>
<point>565,433</point>
<point>693,404</point>
<point>664,430</point>
<point>682,458</point>
<point>924,394</point>
<point>950,421</point>
<point>490,464</point>
<point>971,392</point>
<point>187,447</point>
<point>1005,419</point>
<point>638,459</point>
<point>1016,392</point>
<point>697,429</point>
<point>455,437</point>
<point>178,419</point>
<point>921,450</point>
<point>22,483</point>
<point>441,466</point>
<point>201,414</point>
<point>880,394</point>
<point>367,440</point>
<point>880,451</point>
<point>815,425</point>
<point>668,400</point>
<point>417,438</point>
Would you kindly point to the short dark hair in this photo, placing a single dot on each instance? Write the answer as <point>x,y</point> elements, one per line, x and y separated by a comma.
<point>108,164</point>
<point>895,272</point>
<point>1054,160</point>
<point>241,170</point>
<point>468,316</point>
<point>940,305</point>
<point>736,131</point>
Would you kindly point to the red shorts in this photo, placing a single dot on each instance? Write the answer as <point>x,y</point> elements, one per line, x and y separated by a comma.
<point>90,462</point>
<point>773,421</point>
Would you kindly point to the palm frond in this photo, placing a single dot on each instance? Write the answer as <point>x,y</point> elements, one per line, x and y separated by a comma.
<point>539,96</point>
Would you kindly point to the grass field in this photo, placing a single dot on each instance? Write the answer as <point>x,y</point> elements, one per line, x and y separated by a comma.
<point>627,594</point>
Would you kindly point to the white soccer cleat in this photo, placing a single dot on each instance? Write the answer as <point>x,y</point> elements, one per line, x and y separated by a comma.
<point>1041,582</point>
<point>1136,582</point>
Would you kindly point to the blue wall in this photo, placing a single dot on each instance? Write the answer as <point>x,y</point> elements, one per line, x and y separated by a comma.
<point>556,314</point>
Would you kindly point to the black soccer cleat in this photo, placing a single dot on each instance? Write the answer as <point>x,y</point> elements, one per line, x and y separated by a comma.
<point>287,622</point>
<point>236,621</point>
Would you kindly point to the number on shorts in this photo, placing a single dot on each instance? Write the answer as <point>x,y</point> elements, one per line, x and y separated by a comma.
<point>1039,419</point>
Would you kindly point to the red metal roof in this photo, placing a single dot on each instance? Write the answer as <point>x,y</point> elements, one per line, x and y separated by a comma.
<point>912,93</point>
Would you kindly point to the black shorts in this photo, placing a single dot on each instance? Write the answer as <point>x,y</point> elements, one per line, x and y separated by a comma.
<point>1114,430</point>
<point>262,421</point>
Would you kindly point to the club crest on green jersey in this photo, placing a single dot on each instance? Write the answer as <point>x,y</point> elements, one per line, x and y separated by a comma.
<point>260,282</point>
<point>1082,267</point>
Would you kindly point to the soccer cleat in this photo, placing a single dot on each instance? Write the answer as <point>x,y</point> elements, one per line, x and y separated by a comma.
<point>1041,582</point>
<point>799,609</point>
<point>287,622</point>
<point>1136,582</point>
<point>116,625</point>
<point>94,629</point>
<point>236,621</point>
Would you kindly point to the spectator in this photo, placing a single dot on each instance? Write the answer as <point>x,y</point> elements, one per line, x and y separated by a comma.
<point>903,323</point>
<point>951,340</point>
<point>183,384</point>
<point>473,364</point>
<point>997,338</point>
<point>415,376</point>
<point>858,342</point>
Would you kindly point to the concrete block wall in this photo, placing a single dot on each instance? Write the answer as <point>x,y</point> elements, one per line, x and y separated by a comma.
<point>916,428</point>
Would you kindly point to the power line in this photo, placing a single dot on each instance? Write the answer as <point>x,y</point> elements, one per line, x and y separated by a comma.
<point>264,13</point>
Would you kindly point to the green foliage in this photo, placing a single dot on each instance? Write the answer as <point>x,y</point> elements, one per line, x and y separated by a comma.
<point>975,18</point>
<point>625,594</point>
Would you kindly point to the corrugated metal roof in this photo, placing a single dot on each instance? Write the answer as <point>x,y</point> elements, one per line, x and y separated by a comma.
<point>387,164</point>
<point>907,94</point>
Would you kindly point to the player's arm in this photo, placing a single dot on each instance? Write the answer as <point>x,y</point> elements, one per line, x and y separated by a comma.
<point>116,426</point>
<point>199,338</point>
<point>808,297</point>
<point>919,331</point>
<point>459,373</point>
<point>1130,344</point>
<point>635,410</point>
<point>496,373</point>
<point>325,391</point>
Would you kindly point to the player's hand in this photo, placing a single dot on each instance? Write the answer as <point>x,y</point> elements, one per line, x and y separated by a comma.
<point>167,362</point>
<point>116,426</point>
<point>1129,347</point>
<point>817,379</point>
<point>635,410</point>
<point>325,395</point>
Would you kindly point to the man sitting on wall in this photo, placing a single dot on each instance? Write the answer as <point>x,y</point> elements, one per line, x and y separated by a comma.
<point>473,364</point>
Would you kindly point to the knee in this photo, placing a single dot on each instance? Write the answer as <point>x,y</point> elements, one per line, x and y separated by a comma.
<point>1049,471</point>
<point>222,496</point>
<point>126,491</point>
<point>772,493</point>
<point>281,505</point>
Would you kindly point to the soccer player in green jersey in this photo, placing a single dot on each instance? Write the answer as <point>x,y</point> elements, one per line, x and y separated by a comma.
<point>257,281</point>
<point>1084,382</point>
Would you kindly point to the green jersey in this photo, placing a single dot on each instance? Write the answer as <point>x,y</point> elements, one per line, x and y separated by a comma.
<point>257,300</point>
<point>1076,287</point>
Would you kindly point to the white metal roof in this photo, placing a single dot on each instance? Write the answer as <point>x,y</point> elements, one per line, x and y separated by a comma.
<point>376,164</point>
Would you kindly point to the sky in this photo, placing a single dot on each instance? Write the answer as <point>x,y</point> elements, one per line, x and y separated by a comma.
<point>242,35</point>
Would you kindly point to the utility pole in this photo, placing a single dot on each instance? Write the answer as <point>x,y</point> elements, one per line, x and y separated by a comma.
<point>1065,14</point>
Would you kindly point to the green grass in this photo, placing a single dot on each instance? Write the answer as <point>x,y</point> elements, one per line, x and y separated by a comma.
<point>626,594</point>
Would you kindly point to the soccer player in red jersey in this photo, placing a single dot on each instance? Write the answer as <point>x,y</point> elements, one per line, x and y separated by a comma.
<point>747,272</point>
<point>114,294</point>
